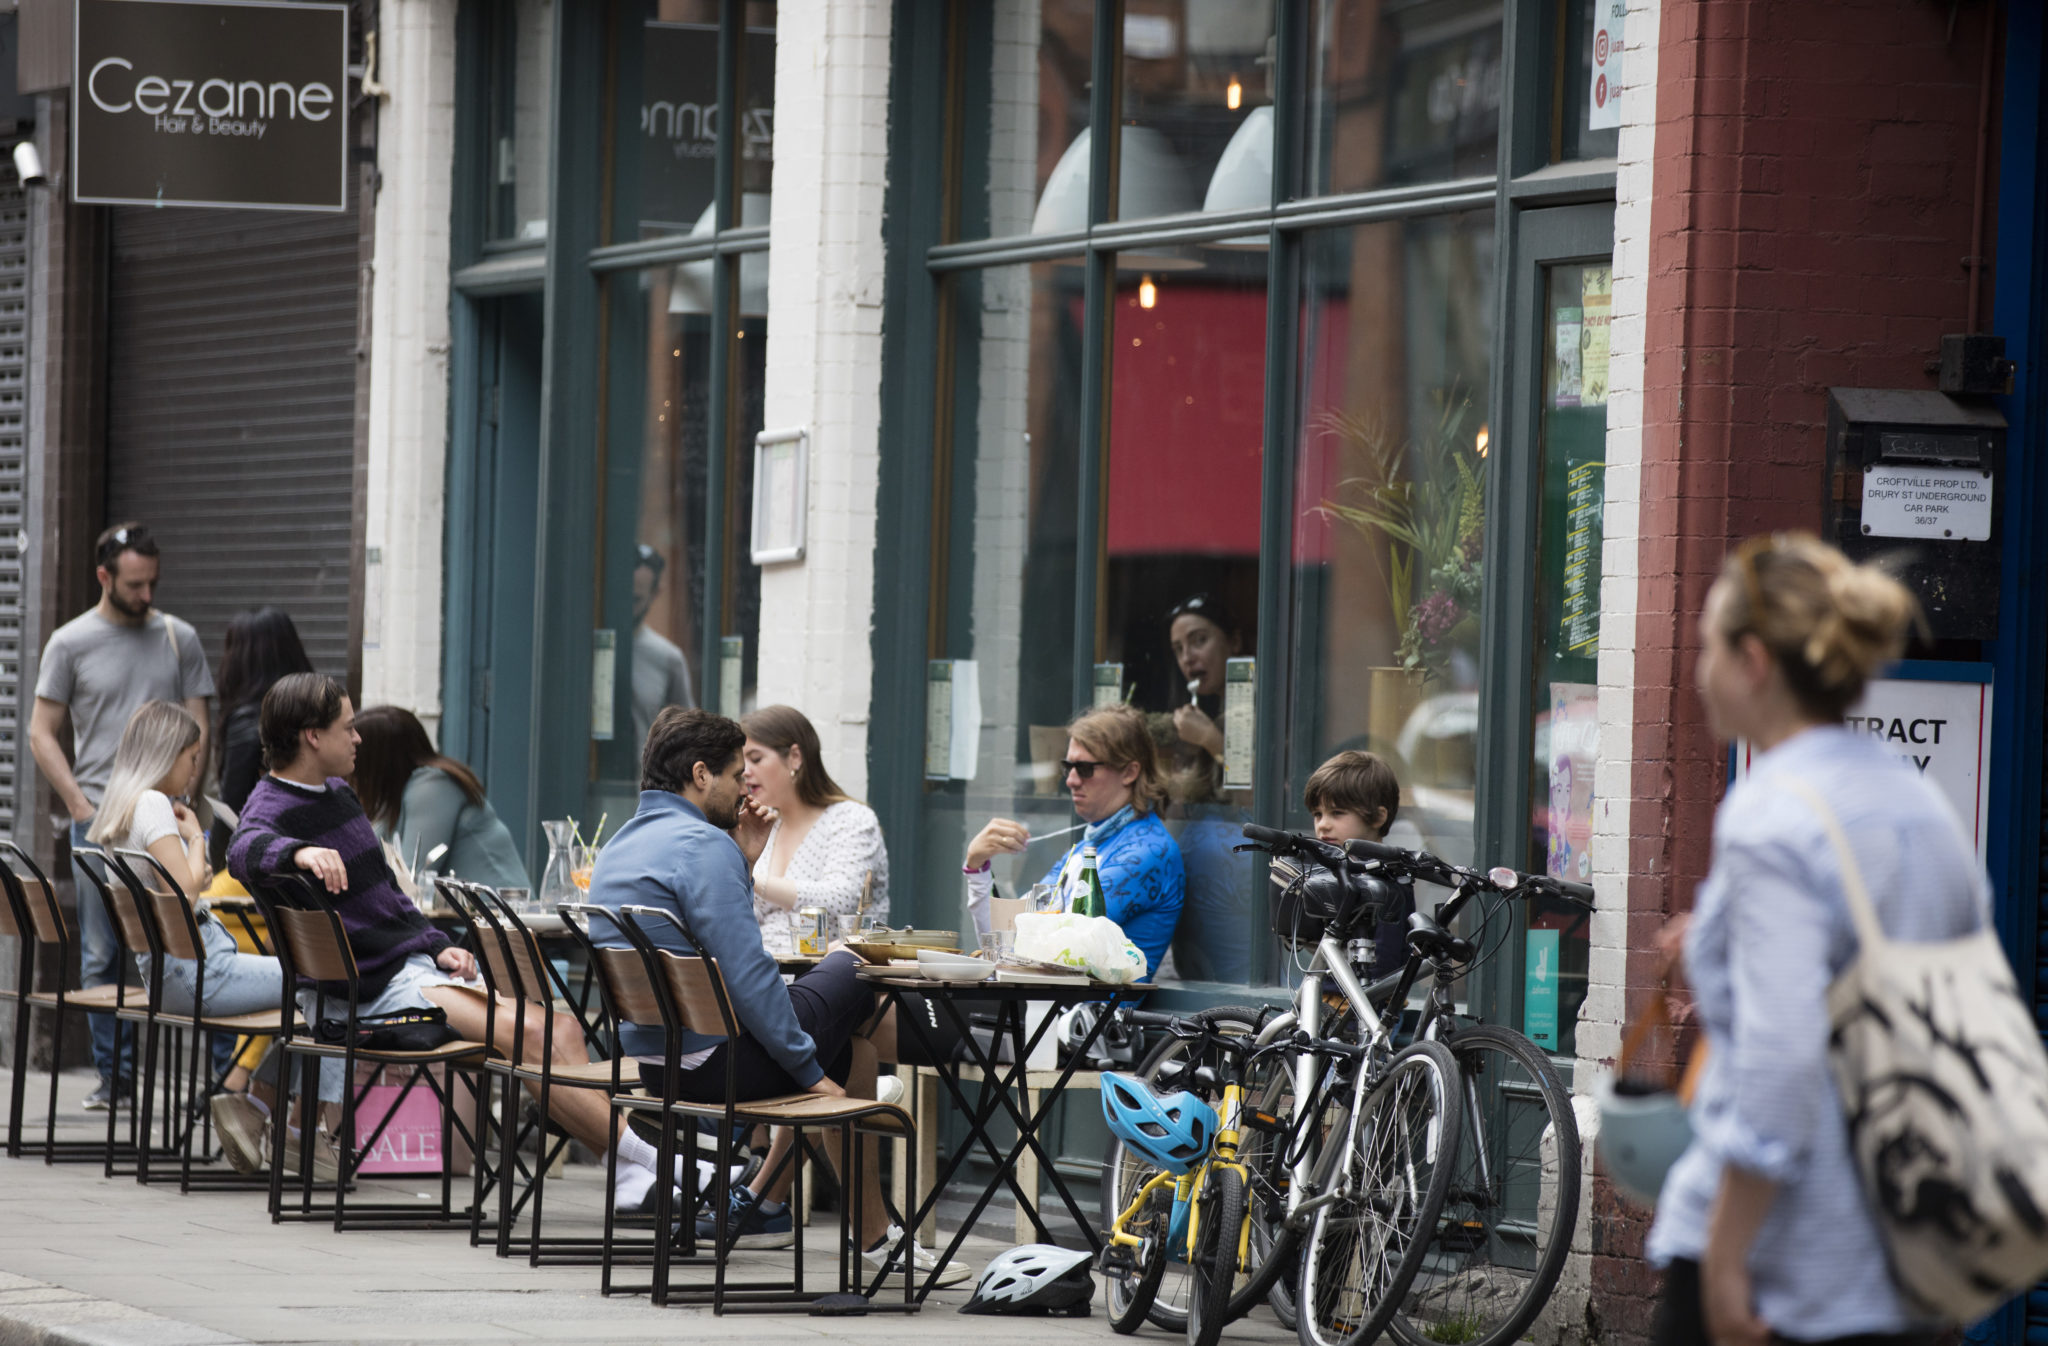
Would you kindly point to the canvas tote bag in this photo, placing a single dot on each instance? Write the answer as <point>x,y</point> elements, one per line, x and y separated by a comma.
<point>1944,1086</point>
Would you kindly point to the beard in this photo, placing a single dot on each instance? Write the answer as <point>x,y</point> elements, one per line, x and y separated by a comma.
<point>723,814</point>
<point>137,611</point>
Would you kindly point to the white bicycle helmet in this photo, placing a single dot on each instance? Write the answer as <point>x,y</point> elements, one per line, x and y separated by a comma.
<point>1641,1136</point>
<point>1037,1278</point>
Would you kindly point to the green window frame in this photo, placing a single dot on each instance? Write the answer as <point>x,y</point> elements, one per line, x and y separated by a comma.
<point>932,45</point>
<point>567,270</point>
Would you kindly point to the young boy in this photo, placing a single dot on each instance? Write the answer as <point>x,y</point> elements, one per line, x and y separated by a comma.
<point>1354,796</point>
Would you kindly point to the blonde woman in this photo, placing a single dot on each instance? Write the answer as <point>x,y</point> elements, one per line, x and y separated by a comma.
<point>1112,771</point>
<point>1763,1227</point>
<point>822,845</point>
<point>155,766</point>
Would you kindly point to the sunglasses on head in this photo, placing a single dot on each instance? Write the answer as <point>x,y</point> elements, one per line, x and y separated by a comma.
<point>1082,769</point>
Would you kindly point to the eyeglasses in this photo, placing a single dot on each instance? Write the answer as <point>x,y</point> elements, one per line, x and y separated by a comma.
<point>1082,769</point>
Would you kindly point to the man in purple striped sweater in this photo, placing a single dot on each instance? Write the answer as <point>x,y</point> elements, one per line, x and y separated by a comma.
<point>302,817</point>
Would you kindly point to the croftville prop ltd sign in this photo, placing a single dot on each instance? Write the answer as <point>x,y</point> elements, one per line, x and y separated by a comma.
<point>211,103</point>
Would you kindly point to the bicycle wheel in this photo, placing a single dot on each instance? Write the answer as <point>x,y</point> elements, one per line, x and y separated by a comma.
<point>1264,1151</point>
<point>1124,1173</point>
<point>1131,1295</point>
<point>1389,1176</point>
<point>1507,1224</point>
<point>1214,1265</point>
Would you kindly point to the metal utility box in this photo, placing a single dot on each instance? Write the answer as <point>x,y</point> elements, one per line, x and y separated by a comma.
<point>1917,476</point>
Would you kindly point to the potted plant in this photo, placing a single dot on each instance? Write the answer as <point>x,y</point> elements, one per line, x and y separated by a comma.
<point>1424,500</point>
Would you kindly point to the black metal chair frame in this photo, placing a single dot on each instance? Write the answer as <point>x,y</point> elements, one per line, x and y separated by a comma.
<point>194,1028</point>
<point>43,923</point>
<point>634,921</point>
<point>500,938</point>
<point>129,921</point>
<point>298,1039</point>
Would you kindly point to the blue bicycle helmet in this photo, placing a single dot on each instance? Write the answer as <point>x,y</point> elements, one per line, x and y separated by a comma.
<point>1173,1132</point>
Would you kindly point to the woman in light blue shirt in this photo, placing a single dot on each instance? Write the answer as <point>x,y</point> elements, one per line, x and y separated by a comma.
<point>418,800</point>
<point>1762,1226</point>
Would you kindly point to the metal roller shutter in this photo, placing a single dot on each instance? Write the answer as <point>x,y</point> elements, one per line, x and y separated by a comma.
<point>231,411</point>
<point>13,472</point>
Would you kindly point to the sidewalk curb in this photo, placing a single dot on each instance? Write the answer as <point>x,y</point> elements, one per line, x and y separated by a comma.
<point>35,1314</point>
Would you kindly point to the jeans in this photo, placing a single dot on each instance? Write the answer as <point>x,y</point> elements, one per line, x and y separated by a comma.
<point>236,983</point>
<point>99,964</point>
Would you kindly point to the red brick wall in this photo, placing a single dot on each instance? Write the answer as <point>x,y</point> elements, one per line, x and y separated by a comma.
<point>1812,212</point>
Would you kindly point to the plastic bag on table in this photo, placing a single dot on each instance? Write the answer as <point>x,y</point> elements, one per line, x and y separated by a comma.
<point>1093,944</point>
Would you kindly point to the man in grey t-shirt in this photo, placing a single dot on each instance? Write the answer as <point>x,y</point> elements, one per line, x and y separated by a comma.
<point>97,669</point>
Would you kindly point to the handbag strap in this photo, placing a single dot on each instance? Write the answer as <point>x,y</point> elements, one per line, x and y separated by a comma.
<point>1861,912</point>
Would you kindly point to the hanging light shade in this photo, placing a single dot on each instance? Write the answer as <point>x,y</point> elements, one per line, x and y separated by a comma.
<point>690,291</point>
<point>1244,175</point>
<point>1150,182</point>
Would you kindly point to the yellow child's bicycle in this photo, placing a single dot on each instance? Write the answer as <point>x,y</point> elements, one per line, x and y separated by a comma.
<point>1195,1209</point>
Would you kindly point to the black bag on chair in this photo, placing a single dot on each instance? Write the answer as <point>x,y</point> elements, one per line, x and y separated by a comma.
<point>412,1030</point>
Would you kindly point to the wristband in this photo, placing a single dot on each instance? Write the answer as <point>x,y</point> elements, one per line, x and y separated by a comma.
<point>982,868</point>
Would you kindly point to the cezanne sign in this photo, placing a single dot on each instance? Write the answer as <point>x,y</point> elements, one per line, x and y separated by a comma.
<point>210,103</point>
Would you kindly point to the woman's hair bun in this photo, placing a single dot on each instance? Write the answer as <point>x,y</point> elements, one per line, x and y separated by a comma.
<point>1832,624</point>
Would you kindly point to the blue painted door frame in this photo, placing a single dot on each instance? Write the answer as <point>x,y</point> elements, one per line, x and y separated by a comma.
<point>2019,656</point>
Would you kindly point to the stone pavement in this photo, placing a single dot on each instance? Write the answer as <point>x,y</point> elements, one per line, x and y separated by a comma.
<point>88,1260</point>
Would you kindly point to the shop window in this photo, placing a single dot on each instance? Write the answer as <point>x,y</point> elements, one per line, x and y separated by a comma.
<point>521,38</point>
<point>1401,94</point>
<point>1025,168</point>
<point>1198,107</point>
<point>666,168</point>
<point>1572,434</point>
<point>1390,524</point>
<point>654,550</point>
<point>1004,571</point>
<point>1181,569</point>
<point>1589,50</point>
<point>739,614</point>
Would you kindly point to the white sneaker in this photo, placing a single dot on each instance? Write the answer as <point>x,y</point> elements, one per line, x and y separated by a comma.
<point>240,1126</point>
<point>881,1256</point>
<point>889,1089</point>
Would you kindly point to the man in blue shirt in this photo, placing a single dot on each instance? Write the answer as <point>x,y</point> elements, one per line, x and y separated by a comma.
<point>690,849</point>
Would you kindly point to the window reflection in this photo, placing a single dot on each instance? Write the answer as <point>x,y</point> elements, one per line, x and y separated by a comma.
<point>1389,518</point>
<point>1572,425</point>
<point>1027,110</point>
<point>1590,69</point>
<point>740,609</point>
<point>1181,567</point>
<point>666,172</point>
<point>1402,93</point>
<point>1006,562</point>
<point>653,548</point>
<point>1198,94</point>
<point>521,34</point>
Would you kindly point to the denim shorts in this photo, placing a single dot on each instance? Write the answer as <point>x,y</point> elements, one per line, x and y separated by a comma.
<point>406,990</point>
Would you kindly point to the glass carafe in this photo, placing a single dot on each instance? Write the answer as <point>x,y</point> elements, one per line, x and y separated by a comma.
<point>557,884</point>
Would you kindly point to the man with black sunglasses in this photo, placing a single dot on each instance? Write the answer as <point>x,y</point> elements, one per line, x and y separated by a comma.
<point>1112,771</point>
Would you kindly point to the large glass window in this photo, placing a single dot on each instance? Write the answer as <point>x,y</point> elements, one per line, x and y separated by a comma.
<point>1402,94</point>
<point>677,608</point>
<point>1198,107</point>
<point>521,37</point>
<point>1003,637</point>
<point>1588,68</point>
<point>1390,523</point>
<point>667,171</point>
<point>1263,519</point>
<point>1027,118</point>
<point>1180,567</point>
<point>1572,434</point>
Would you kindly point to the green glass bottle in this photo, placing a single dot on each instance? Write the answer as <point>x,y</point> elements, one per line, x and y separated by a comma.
<point>1088,897</point>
